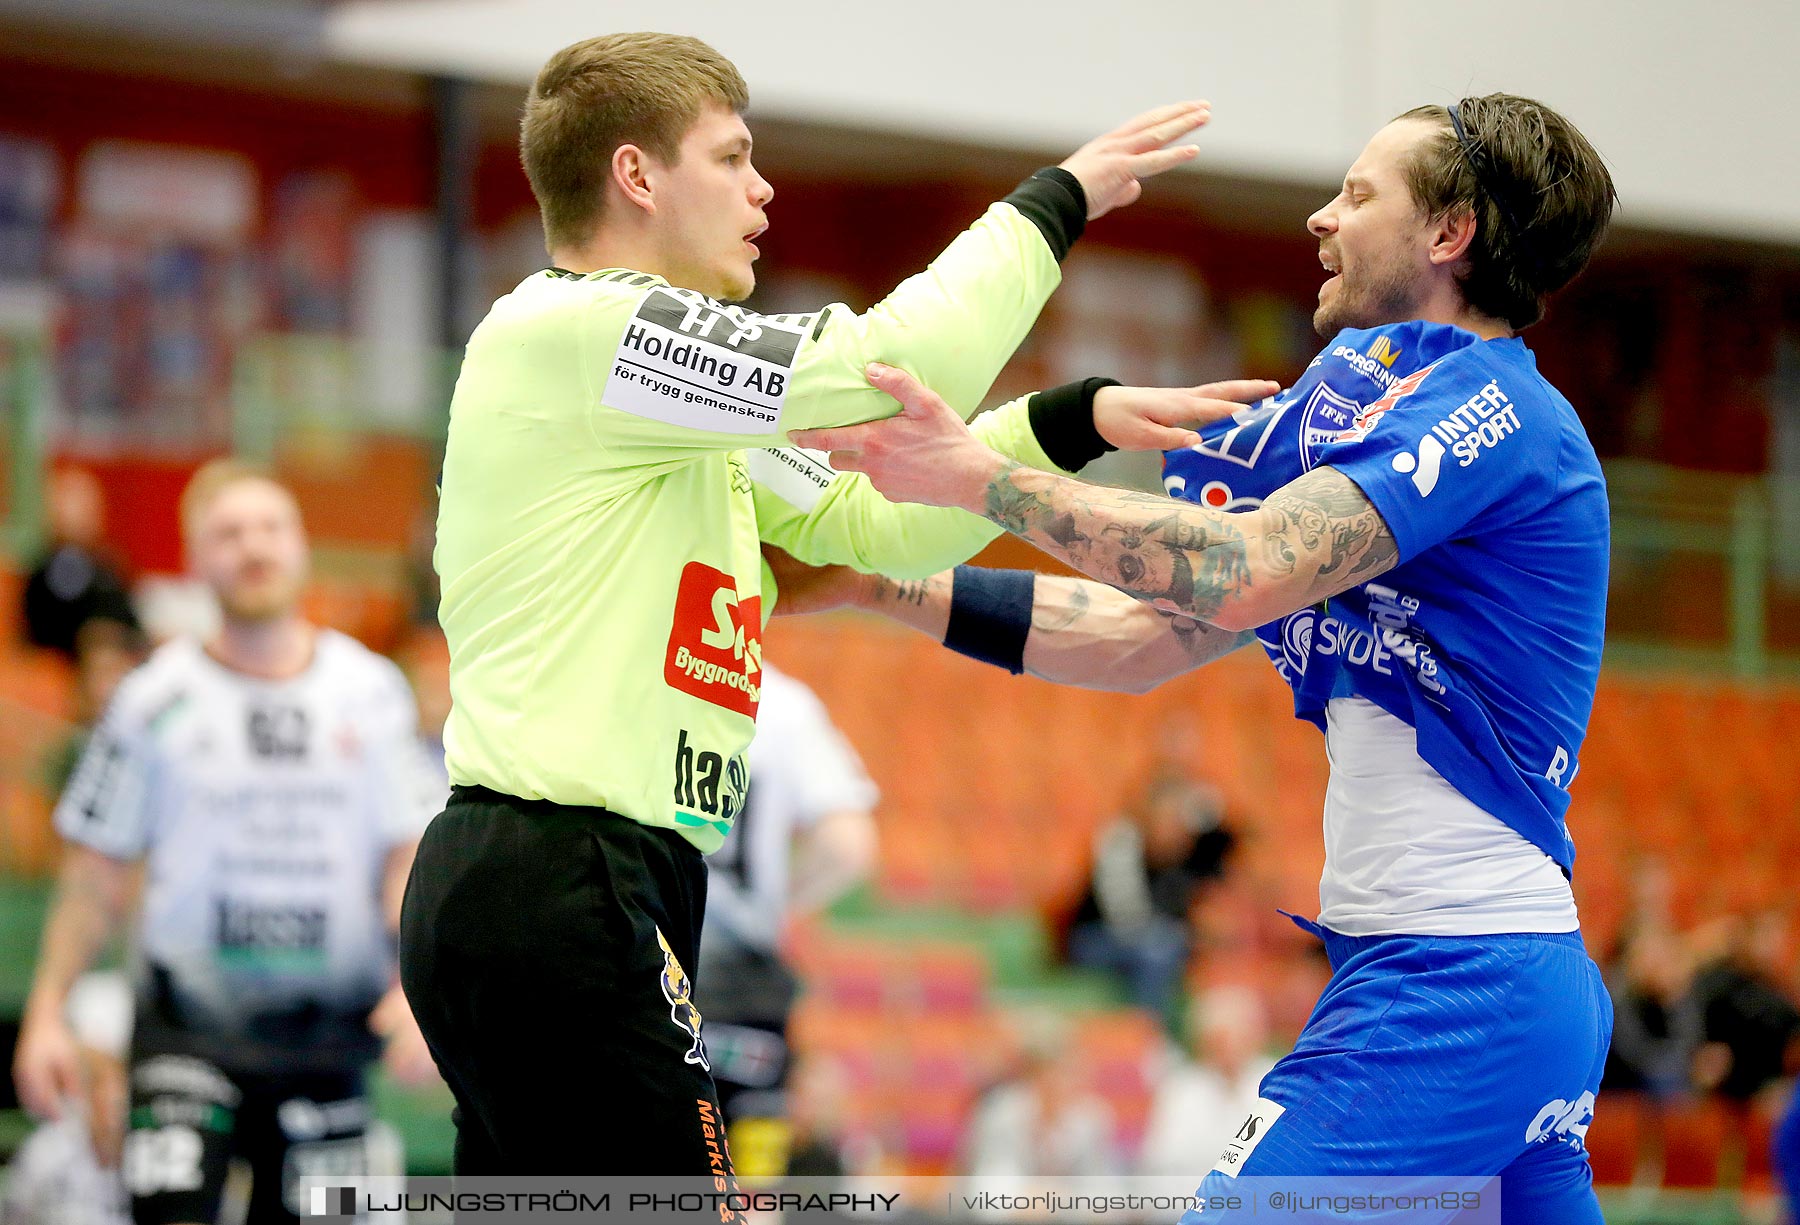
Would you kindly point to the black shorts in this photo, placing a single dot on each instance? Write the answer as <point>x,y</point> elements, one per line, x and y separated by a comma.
<point>543,949</point>
<point>190,1117</point>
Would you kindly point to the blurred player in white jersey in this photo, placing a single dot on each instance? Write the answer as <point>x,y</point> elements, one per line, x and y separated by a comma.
<point>806,835</point>
<point>269,786</point>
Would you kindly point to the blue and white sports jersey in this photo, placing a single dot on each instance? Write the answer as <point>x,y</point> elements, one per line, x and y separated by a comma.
<point>1486,637</point>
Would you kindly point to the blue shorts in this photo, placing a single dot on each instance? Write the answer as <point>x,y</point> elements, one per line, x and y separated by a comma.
<point>1787,1154</point>
<point>1438,1056</point>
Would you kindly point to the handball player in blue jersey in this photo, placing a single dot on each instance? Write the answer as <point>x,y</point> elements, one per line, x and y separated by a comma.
<point>1417,533</point>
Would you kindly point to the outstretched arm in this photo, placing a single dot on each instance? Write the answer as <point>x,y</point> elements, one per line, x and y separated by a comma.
<point>1313,538</point>
<point>1082,633</point>
<point>824,517</point>
<point>93,898</point>
<point>675,371</point>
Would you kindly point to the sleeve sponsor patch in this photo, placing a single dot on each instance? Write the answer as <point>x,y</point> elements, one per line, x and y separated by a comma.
<point>1250,1132</point>
<point>796,475</point>
<point>690,361</point>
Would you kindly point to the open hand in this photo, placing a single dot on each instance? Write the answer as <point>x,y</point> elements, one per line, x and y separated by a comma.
<point>925,454</point>
<point>47,1066</point>
<point>1112,167</point>
<point>404,1055</point>
<point>1162,418</point>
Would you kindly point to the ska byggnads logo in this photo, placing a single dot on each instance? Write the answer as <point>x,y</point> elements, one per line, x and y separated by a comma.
<point>715,643</point>
<point>679,991</point>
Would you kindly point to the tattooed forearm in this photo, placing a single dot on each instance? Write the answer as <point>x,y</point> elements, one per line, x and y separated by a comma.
<point>1052,618</point>
<point>1010,506</point>
<point>924,603</point>
<point>1360,544</point>
<point>1203,643</point>
<point>1192,560</point>
<point>1312,539</point>
<point>1097,637</point>
<point>903,591</point>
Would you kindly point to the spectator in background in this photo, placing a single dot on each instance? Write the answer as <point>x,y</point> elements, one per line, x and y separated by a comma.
<point>1651,907</point>
<point>805,836</point>
<point>67,1171</point>
<point>1200,1099</point>
<point>75,582</point>
<point>1748,1017</point>
<point>1149,867</point>
<point>1041,1122</point>
<point>270,787</point>
<point>1657,1028</point>
<point>1749,1022</point>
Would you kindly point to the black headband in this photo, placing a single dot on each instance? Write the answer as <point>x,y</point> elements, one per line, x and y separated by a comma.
<point>1488,179</point>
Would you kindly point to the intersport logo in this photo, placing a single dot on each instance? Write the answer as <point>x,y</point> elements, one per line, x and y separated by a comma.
<point>1422,467</point>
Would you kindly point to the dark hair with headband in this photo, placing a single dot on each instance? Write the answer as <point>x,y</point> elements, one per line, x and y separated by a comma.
<point>1540,194</point>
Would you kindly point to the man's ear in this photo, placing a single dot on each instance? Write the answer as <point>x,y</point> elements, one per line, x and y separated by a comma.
<point>1452,235</point>
<point>631,177</point>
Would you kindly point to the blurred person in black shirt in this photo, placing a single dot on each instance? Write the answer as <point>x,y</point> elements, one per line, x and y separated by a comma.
<point>1749,1022</point>
<point>1748,1016</point>
<point>1149,867</point>
<point>74,582</point>
<point>1657,1031</point>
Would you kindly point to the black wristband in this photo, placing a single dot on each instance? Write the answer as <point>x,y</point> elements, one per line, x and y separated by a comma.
<point>990,615</point>
<point>1053,200</point>
<point>1062,419</point>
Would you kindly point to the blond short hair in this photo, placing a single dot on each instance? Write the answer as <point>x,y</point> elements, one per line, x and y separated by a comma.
<point>214,478</point>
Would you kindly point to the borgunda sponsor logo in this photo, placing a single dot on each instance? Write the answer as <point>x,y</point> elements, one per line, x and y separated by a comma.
<point>1376,365</point>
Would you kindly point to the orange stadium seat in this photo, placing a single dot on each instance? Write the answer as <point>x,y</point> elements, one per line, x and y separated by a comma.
<point>1612,1140</point>
<point>29,845</point>
<point>12,602</point>
<point>1118,1053</point>
<point>955,1052</point>
<point>1696,1132</point>
<point>41,681</point>
<point>932,1124</point>
<point>950,978</point>
<point>373,615</point>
